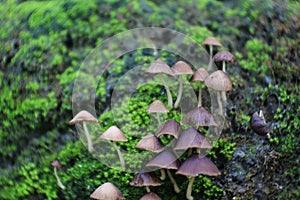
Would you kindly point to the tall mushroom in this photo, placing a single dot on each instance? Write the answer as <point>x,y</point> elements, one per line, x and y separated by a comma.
<point>211,41</point>
<point>220,82</point>
<point>194,166</point>
<point>160,67</point>
<point>145,179</point>
<point>114,134</point>
<point>157,107</point>
<point>200,75</point>
<point>56,164</point>
<point>84,116</point>
<point>224,57</point>
<point>179,69</point>
<point>166,160</point>
<point>107,191</point>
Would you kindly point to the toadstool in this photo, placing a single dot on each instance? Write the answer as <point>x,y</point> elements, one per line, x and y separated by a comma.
<point>107,191</point>
<point>56,164</point>
<point>200,75</point>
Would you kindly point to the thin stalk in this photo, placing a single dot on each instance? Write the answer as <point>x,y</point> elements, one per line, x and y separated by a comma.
<point>189,189</point>
<point>162,174</point>
<point>176,188</point>
<point>190,151</point>
<point>210,57</point>
<point>58,179</point>
<point>158,119</point>
<point>179,96</point>
<point>170,100</point>
<point>148,189</point>
<point>88,137</point>
<point>119,154</point>
<point>220,103</point>
<point>200,95</point>
<point>224,66</point>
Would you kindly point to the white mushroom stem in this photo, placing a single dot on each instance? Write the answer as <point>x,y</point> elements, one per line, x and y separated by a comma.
<point>158,119</point>
<point>88,137</point>
<point>176,188</point>
<point>219,102</point>
<point>224,66</point>
<point>170,100</point>
<point>210,57</point>
<point>148,189</point>
<point>58,179</point>
<point>119,154</point>
<point>189,189</point>
<point>179,96</point>
<point>200,95</point>
<point>162,174</point>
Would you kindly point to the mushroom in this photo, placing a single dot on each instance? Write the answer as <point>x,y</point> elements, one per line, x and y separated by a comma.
<point>157,107</point>
<point>166,160</point>
<point>211,41</point>
<point>199,117</point>
<point>170,127</point>
<point>114,134</point>
<point>107,191</point>
<point>191,138</point>
<point>180,68</point>
<point>194,166</point>
<point>220,82</point>
<point>259,125</point>
<point>150,196</point>
<point>145,179</point>
<point>224,57</point>
<point>160,67</point>
<point>200,75</point>
<point>84,116</point>
<point>56,164</point>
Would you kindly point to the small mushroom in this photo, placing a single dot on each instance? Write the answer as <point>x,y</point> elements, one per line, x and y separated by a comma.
<point>157,107</point>
<point>107,191</point>
<point>150,196</point>
<point>199,117</point>
<point>211,41</point>
<point>160,67</point>
<point>224,57</point>
<point>56,164</point>
<point>200,75</point>
<point>220,82</point>
<point>194,166</point>
<point>179,69</point>
<point>166,160</point>
<point>114,134</point>
<point>170,127</point>
<point>84,116</point>
<point>258,124</point>
<point>145,179</point>
<point>150,143</point>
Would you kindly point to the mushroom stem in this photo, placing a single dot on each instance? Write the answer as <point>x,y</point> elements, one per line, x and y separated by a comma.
<point>88,137</point>
<point>119,154</point>
<point>190,151</point>
<point>58,179</point>
<point>210,57</point>
<point>189,189</point>
<point>163,174</point>
<point>148,189</point>
<point>158,119</point>
<point>220,103</point>
<point>176,188</point>
<point>170,100</point>
<point>224,66</point>
<point>200,95</point>
<point>179,96</point>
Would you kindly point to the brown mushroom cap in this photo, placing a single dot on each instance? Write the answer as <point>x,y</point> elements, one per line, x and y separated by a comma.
<point>191,138</point>
<point>196,165</point>
<point>114,134</point>
<point>224,56</point>
<point>170,127</point>
<point>159,67</point>
<point>150,143</point>
<point>211,41</point>
<point>157,107</point>
<point>107,191</point>
<point>219,81</point>
<point>56,164</point>
<point>200,75</point>
<point>150,196</point>
<point>199,117</point>
<point>145,179</point>
<point>165,159</point>
<point>181,68</point>
<point>83,116</point>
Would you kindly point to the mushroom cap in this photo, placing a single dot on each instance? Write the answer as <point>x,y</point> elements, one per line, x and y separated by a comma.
<point>159,67</point>
<point>56,164</point>
<point>191,138</point>
<point>157,107</point>
<point>199,117</point>
<point>145,179</point>
<point>170,127</point>
<point>150,143</point>
<point>165,160</point>
<point>83,116</point>
<point>181,68</point>
<point>258,125</point>
<point>224,56</point>
<point>196,165</point>
<point>150,196</point>
<point>107,191</point>
<point>219,81</point>
<point>200,75</point>
<point>113,133</point>
<point>211,41</point>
